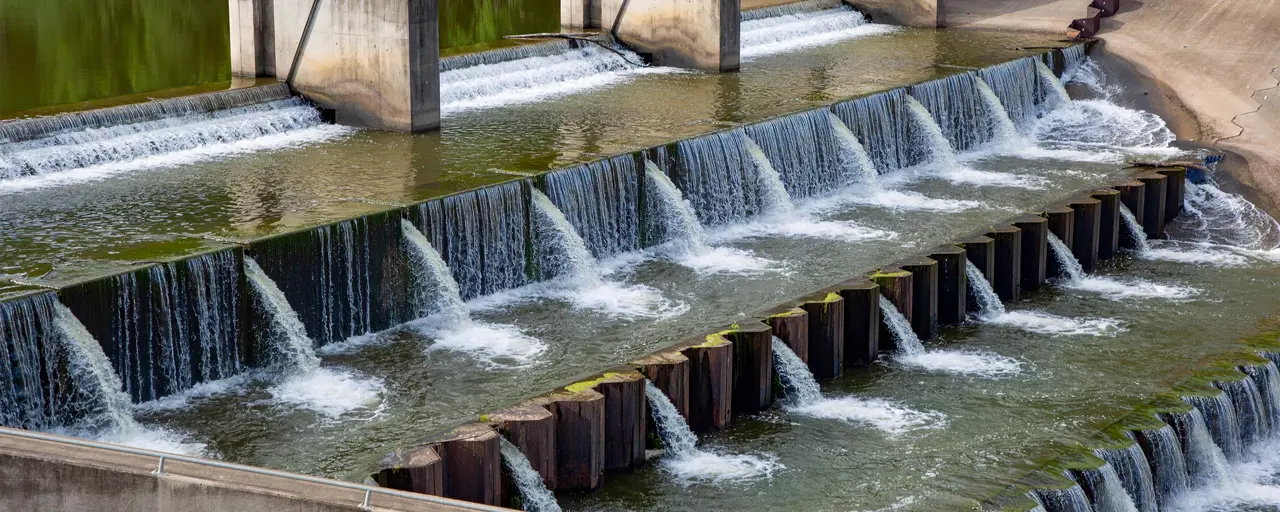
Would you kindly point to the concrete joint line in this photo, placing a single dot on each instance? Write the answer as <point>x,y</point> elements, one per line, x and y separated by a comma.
<point>1254,111</point>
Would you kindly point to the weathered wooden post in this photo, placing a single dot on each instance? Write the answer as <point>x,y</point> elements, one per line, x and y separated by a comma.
<point>953,283</point>
<point>1008,249</point>
<point>826,334</point>
<point>710,384</point>
<point>1035,248</point>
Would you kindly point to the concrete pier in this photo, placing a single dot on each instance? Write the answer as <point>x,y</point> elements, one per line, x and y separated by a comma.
<point>1109,225</point>
<point>861,321</point>
<point>1175,190</point>
<point>710,384</point>
<point>625,413</point>
<point>532,429</point>
<point>1134,197</point>
<point>692,34</point>
<point>1088,221</point>
<point>791,325</point>
<point>981,251</point>
<point>1035,250</point>
<point>924,295</point>
<point>415,469</point>
<point>1008,262</point>
<point>472,461</point>
<point>580,441</point>
<point>753,367</point>
<point>374,62</point>
<point>826,334</point>
<point>896,285</point>
<point>1154,207</point>
<point>953,284</point>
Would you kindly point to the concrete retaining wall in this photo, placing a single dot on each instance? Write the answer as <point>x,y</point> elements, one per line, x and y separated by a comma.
<point>693,34</point>
<point>911,13</point>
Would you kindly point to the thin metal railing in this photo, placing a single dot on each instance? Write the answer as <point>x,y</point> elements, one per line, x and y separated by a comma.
<point>162,458</point>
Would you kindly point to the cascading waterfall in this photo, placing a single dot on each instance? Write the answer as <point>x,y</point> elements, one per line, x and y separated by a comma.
<point>931,137</point>
<point>1134,230</point>
<point>683,458</point>
<point>1003,128</point>
<point>720,177</point>
<point>565,253</point>
<point>534,495</point>
<point>774,193</point>
<point>882,122</point>
<point>501,55</point>
<point>196,307</point>
<point>1108,492</point>
<point>510,77</point>
<point>87,364</point>
<point>908,343</point>
<point>481,237</point>
<point>852,154</point>
<point>679,220</point>
<point>1131,466</point>
<point>1019,89</point>
<point>989,304</point>
<point>127,145</point>
<point>1168,466</point>
<point>804,151</point>
<point>1206,463</point>
<point>26,328</point>
<point>678,441</point>
<point>291,347</point>
<point>600,199</point>
<point>436,292</point>
<point>956,105</point>
<point>1267,379</point>
<point>1057,93</point>
<point>1220,417</point>
<point>1072,270</point>
<point>800,385</point>
<point>773,31</point>
<point>1074,56</point>
<point>1071,499</point>
<point>1250,415</point>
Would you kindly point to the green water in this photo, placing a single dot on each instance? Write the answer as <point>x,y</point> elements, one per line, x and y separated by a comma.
<point>70,51</point>
<point>467,24</point>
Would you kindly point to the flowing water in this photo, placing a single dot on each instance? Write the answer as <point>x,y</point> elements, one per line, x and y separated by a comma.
<point>1133,470</point>
<point>688,463</point>
<point>1107,491</point>
<point>534,496</point>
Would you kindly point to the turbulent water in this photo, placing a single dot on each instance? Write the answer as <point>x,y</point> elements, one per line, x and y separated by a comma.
<point>787,32</point>
<point>534,495</point>
<point>688,463</point>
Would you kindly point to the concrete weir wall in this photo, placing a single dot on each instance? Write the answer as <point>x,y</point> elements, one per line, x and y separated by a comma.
<point>693,34</point>
<point>375,63</point>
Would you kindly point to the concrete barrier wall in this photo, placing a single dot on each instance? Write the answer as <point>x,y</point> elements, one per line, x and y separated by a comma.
<point>911,13</point>
<point>693,34</point>
<point>1021,15</point>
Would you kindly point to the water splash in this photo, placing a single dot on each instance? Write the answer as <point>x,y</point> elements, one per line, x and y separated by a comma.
<point>688,463</point>
<point>912,352</point>
<point>1058,91</point>
<point>939,149</point>
<point>436,291</point>
<point>1134,229</point>
<point>905,339</point>
<point>1004,129</point>
<point>989,304</point>
<point>801,388</point>
<point>686,236</point>
<point>776,199</point>
<point>1074,277</point>
<point>1072,270</point>
<point>534,495</point>
<point>853,154</point>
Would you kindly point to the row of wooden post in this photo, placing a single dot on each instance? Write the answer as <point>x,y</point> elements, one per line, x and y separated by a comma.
<point>575,435</point>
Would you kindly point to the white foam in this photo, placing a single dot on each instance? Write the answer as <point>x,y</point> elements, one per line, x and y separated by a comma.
<point>1118,289</point>
<point>1195,256</point>
<point>622,301</point>
<point>802,227</point>
<point>496,345</point>
<point>1253,484</point>
<point>969,176</point>
<point>707,465</point>
<point>789,32</point>
<point>283,140</point>
<point>1101,125</point>
<point>1053,325</point>
<point>888,416</point>
<point>330,392</point>
<point>908,200</point>
<point>148,438</point>
<point>200,390</point>
<point>728,260</point>
<point>983,364</point>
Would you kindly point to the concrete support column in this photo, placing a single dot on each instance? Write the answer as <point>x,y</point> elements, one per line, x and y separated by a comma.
<point>1084,243</point>
<point>1109,225</point>
<point>826,334</point>
<point>376,63</point>
<point>579,14</point>
<point>693,34</point>
<point>579,438</point>
<point>791,325</point>
<point>924,296</point>
<point>1175,190</point>
<point>625,413</point>
<point>532,429</point>
<point>472,463</point>
<point>252,38</point>
<point>981,251</point>
<point>895,285</point>
<point>1134,197</point>
<point>753,367</point>
<point>1008,264</point>
<point>710,384</point>
<point>415,469</point>
<point>1154,209</point>
<point>1035,249</point>
<point>861,321</point>
<point>953,284</point>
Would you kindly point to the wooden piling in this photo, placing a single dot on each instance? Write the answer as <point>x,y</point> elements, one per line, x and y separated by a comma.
<point>1035,240</point>
<point>753,366</point>
<point>825,311</point>
<point>1008,266</point>
<point>895,285</point>
<point>1175,187</point>
<point>472,458</point>
<point>532,429</point>
<point>1109,225</point>
<point>710,384</point>
<point>861,321</point>
<point>791,325</point>
<point>625,413</point>
<point>1084,242</point>
<point>579,414</point>
<point>924,295</point>
<point>414,469</point>
<point>1153,210</point>
<point>953,284</point>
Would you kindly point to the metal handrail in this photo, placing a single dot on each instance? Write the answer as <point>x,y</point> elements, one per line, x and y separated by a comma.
<point>163,457</point>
